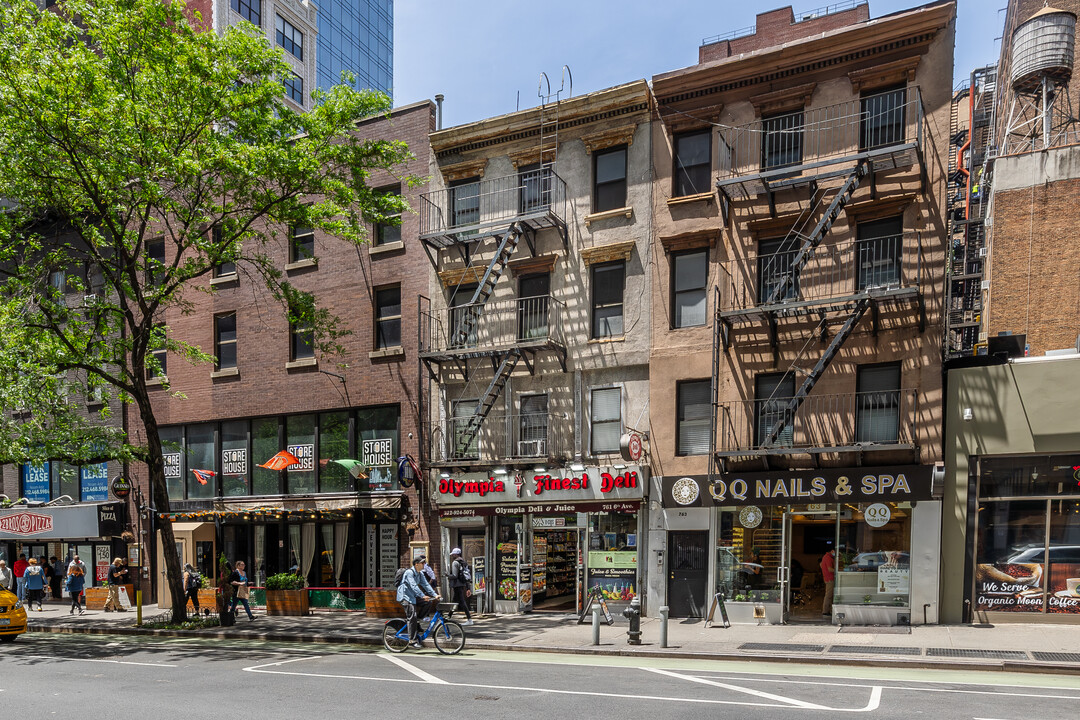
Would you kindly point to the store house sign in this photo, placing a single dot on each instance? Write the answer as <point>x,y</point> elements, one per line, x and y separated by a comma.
<point>785,487</point>
<point>592,484</point>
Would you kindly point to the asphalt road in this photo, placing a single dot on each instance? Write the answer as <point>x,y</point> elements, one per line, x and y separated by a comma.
<point>89,677</point>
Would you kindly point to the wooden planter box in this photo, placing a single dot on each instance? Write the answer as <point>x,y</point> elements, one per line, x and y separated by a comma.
<point>207,599</point>
<point>382,604</point>
<point>287,602</point>
<point>96,596</point>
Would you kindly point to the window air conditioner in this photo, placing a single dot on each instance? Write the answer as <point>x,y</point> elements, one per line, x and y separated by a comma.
<point>531,448</point>
<point>983,252</point>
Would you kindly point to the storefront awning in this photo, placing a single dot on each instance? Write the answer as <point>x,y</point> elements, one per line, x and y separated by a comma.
<point>62,522</point>
<point>381,501</point>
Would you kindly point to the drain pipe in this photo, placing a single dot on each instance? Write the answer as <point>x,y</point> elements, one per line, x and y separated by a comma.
<point>438,111</point>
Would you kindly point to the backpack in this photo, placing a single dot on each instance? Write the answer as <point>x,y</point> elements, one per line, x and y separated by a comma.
<point>399,576</point>
<point>465,575</point>
<point>194,581</point>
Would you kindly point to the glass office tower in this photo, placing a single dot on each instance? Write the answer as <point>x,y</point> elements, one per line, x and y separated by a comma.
<point>356,35</point>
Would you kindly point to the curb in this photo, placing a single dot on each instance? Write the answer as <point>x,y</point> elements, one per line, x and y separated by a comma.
<point>1016,666</point>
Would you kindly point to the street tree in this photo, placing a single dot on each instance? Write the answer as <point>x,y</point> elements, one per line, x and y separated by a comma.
<point>139,152</point>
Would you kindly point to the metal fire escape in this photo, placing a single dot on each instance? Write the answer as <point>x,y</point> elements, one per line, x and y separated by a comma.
<point>509,210</point>
<point>782,298</point>
<point>970,174</point>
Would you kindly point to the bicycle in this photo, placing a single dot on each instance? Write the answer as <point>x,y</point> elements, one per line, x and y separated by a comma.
<point>448,635</point>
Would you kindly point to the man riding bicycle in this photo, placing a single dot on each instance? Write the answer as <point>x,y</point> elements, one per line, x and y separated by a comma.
<point>415,595</point>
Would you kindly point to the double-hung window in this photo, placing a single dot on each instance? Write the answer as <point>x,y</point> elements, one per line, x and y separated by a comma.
<point>877,417</point>
<point>465,202</point>
<point>605,420</point>
<point>250,10</point>
<point>301,243</point>
<point>388,317</point>
<point>694,417</point>
<point>608,281</point>
<point>772,397</point>
<point>294,88</point>
<point>693,163</point>
<point>878,249</point>
<point>882,118</point>
<point>388,232</point>
<point>775,270</point>
<point>689,276</point>
<point>225,341</point>
<point>782,140</point>
<point>609,174</point>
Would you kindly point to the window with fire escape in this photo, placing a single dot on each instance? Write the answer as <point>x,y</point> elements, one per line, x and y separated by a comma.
<point>533,426</point>
<point>881,121</point>
<point>878,253</point>
<point>776,268</point>
<point>464,198</point>
<point>460,414</point>
<point>877,404</point>
<point>772,395</point>
<point>533,292</point>
<point>782,140</point>
<point>463,332</point>
<point>535,188</point>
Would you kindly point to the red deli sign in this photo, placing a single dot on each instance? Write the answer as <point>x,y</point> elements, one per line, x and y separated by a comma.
<point>539,485</point>
<point>26,523</point>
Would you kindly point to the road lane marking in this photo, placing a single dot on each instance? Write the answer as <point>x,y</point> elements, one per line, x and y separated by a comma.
<point>426,677</point>
<point>256,668</point>
<point>92,660</point>
<point>265,670</point>
<point>874,702</point>
<point>908,688</point>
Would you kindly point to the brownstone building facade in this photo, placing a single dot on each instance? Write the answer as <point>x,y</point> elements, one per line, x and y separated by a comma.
<point>270,391</point>
<point>795,380</point>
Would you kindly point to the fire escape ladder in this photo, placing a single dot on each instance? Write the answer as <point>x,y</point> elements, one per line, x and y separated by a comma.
<point>494,271</point>
<point>788,413</point>
<point>812,240</point>
<point>487,401</point>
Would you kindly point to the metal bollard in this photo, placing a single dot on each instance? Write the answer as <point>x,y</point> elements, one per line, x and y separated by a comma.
<point>663,625</point>
<point>595,624</point>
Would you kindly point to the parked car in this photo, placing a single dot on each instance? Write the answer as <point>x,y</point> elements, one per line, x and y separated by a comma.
<point>12,617</point>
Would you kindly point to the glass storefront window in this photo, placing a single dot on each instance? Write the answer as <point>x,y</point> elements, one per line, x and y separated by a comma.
<point>235,464</point>
<point>507,530</point>
<point>333,445</point>
<point>172,447</point>
<point>300,441</point>
<point>64,479</point>
<point>200,456</point>
<point>874,563</point>
<point>1029,476</point>
<point>749,552</point>
<point>1063,557</point>
<point>1010,552</point>
<point>374,427</point>
<point>264,445</point>
<point>613,555</point>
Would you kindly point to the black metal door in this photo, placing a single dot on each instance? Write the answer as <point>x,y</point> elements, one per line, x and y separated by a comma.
<point>688,573</point>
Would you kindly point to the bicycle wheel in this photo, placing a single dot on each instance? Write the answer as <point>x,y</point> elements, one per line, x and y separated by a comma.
<point>395,635</point>
<point>449,638</point>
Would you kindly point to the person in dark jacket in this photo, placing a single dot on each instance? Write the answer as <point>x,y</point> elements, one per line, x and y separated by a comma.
<point>56,580</point>
<point>76,583</point>
<point>459,586</point>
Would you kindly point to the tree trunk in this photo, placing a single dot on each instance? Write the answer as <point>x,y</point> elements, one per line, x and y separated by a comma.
<point>159,491</point>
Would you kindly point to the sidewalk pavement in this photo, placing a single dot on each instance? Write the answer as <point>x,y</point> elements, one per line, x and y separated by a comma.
<point>1011,647</point>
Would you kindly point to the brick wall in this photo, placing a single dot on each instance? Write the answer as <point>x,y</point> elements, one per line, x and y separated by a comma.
<point>1035,267</point>
<point>777,27</point>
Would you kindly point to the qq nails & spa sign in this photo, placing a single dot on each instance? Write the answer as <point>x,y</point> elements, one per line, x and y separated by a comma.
<point>592,484</point>
<point>902,483</point>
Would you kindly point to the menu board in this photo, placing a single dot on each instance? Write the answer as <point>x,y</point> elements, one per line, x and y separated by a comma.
<point>1063,588</point>
<point>388,555</point>
<point>479,575</point>
<point>1009,587</point>
<point>506,575</point>
<point>525,593</point>
<point>101,563</point>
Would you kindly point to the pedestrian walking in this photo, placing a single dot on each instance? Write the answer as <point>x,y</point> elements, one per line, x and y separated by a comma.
<point>240,583</point>
<point>46,568</point>
<point>35,584</point>
<point>20,576</point>
<point>56,579</point>
<point>76,562</point>
<point>7,578</point>
<point>192,583</point>
<point>460,583</point>
<point>75,583</point>
<point>117,576</point>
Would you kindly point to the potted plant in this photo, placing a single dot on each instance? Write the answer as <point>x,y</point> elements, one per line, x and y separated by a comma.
<point>285,595</point>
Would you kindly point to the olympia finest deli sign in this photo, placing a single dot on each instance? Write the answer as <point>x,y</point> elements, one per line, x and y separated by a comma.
<point>25,524</point>
<point>592,484</point>
<point>797,487</point>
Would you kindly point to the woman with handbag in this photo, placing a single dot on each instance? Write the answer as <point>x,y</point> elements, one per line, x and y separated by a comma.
<point>239,581</point>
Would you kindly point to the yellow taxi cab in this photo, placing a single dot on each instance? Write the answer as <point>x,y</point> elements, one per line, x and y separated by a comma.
<point>12,616</point>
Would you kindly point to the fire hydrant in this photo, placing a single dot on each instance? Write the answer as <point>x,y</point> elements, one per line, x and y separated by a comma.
<point>633,613</point>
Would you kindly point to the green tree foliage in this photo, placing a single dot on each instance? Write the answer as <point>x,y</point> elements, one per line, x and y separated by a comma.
<point>124,126</point>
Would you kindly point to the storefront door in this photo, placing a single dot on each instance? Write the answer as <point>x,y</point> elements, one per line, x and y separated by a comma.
<point>807,536</point>
<point>688,572</point>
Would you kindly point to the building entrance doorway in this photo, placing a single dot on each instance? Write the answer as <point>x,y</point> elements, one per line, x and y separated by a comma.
<point>808,536</point>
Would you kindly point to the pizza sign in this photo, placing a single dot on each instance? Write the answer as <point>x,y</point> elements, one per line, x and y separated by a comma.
<point>26,523</point>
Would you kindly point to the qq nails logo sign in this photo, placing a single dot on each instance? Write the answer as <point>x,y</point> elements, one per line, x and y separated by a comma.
<point>26,523</point>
